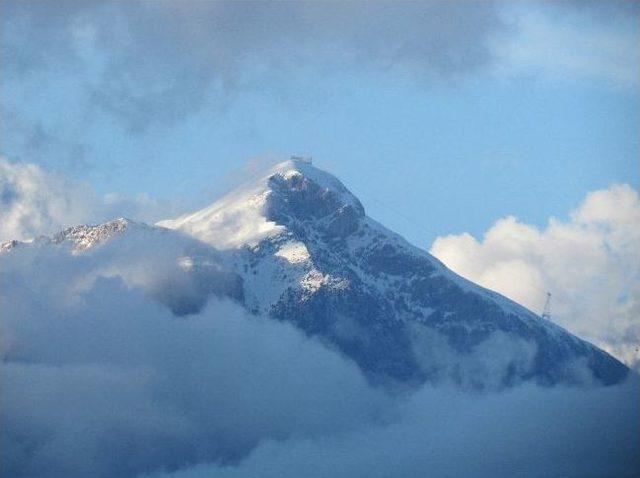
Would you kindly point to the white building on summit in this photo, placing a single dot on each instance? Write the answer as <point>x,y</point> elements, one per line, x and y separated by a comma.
<point>302,159</point>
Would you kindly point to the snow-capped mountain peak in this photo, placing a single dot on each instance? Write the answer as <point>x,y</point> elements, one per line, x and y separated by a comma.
<point>248,214</point>
<point>295,245</point>
<point>308,254</point>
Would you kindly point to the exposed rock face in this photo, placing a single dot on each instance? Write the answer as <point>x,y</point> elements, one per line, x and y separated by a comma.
<point>297,198</point>
<point>84,237</point>
<point>296,245</point>
<point>8,245</point>
<point>80,237</point>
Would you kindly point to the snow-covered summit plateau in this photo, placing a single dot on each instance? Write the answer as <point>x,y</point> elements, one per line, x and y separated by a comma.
<point>297,246</point>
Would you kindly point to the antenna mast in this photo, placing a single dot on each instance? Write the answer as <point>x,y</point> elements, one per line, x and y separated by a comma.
<point>546,313</point>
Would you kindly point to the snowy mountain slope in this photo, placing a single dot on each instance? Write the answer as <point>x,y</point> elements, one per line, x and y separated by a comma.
<point>308,254</point>
<point>297,246</point>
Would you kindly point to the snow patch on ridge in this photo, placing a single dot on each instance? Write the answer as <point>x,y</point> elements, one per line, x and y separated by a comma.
<point>294,252</point>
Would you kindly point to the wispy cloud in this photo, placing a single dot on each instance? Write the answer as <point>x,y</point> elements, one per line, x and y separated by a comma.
<point>76,69</point>
<point>569,42</point>
<point>36,202</point>
<point>155,62</point>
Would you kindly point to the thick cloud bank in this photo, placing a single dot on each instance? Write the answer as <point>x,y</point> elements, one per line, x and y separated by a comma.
<point>590,263</point>
<point>526,432</point>
<point>100,379</point>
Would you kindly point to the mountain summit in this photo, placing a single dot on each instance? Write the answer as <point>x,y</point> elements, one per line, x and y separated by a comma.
<point>292,190</point>
<point>295,245</point>
<point>308,254</point>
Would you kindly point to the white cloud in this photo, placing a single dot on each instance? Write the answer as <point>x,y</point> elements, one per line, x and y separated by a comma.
<point>34,202</point>
<point>590,263</point>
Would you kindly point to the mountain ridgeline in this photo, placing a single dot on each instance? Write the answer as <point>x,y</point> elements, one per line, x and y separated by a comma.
<point>296,246</point>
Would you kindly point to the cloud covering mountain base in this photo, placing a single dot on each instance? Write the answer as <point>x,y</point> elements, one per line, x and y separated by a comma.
<point>100,379</point>
<point>527,431</point>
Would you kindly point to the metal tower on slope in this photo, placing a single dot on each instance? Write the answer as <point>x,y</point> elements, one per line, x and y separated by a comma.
<point>546,313</point>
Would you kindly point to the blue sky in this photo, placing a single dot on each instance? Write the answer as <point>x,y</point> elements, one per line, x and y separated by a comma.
<point>452,114</point>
